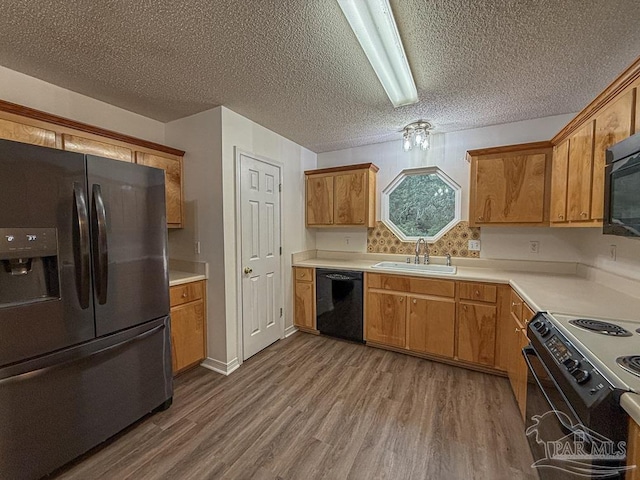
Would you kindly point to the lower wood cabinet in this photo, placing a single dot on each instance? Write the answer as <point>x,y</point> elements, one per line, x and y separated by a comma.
<point>477,333</point>
<point>516,339</point>
<point>188,325</point>
<point>431,326</point>
<point>304,299</point>
<point>386,318</point>
<point>633,450</point>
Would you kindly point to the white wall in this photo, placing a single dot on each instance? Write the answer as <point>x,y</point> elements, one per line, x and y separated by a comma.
<point>200,136</point>
<point>34,93</point>
<point>448,152</point>
<point>240,132</point>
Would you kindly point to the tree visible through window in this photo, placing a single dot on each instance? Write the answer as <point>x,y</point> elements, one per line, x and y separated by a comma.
<point>421,203</point>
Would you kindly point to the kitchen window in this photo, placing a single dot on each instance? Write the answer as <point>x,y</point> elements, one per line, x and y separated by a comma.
<point>421,202</point>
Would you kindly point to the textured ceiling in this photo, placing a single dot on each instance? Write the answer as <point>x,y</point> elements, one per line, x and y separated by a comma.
<point>295,67</point>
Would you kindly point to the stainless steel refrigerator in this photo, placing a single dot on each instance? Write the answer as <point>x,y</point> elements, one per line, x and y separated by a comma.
<point>84,304</point>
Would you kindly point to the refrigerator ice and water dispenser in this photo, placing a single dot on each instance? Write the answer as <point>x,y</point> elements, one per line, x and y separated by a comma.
<point>28,265</point>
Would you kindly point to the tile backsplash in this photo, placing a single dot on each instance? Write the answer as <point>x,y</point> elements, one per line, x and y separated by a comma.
<point>455,242</point>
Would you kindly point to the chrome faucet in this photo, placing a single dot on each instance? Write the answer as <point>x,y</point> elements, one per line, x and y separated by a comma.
<point>426,255</point>
<point>448,259</point>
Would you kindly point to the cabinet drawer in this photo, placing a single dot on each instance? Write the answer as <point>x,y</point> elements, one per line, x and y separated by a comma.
<point>304,274</point>
<point>480,292</point>
<point>189,292</point>
<point>422,286</point>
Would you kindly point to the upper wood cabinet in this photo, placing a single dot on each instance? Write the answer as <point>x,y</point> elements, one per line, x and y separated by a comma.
<point>612,125</point>
<point>27,125</point>
<point>341,196</point>
<point>578,188</point>
<point>509,185</point>
<point>21,132</point>
<point>173,183</point>
<point>580,173</point>
<point>75,143</point>
<point>559,176</point>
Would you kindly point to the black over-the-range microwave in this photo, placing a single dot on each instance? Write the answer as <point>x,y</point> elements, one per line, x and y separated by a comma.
<point>622,188</point>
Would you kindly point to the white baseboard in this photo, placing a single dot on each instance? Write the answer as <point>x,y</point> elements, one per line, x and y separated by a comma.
<point>290,330</point>
<point>221,367</point>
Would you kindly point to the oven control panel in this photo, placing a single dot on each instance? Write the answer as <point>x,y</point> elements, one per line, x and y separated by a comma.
<point>564,359</point>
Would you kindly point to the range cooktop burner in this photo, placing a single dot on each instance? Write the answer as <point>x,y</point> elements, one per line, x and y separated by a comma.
<point>599,326</point>
<point>630,363</point>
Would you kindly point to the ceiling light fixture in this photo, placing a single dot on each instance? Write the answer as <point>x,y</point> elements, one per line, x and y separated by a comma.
<point>416,134</point>
<point>373,23</point>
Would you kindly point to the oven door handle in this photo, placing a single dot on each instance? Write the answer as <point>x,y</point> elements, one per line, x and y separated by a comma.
<point>529,351</point>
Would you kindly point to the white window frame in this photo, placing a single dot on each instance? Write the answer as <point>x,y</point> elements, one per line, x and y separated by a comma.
<point>421,171</point>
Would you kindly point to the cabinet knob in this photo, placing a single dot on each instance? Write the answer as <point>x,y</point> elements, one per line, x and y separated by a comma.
<point>480,218</point>
<point>560,216</point>
<point>401,299</point>
<point>302,274</point>
<point>477,293</point>
<point>248,270</point>
<point>184,295</point>
<point>517,329</point>
<point>465,308</point>
<point>583,214</point>
<point>415,301</point>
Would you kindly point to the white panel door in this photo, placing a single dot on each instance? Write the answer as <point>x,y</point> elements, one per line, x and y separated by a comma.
<point>261,292</point>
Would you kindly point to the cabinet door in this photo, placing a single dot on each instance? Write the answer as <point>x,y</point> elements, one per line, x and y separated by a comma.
<point>19,132</point>
<point>522,372</point>
<point>350,198</point>
<point>319,200</point>
<point>431,326</point>
<point>477,333</point>
<point>386,318</point>
<point>173,183</point>
<point>580,172</point>
<point>187,335</point>
<point>510,189</point>
<point>74,143</point>
<point>559,173</point>
<point>304,300</point>
<point>613,125</point>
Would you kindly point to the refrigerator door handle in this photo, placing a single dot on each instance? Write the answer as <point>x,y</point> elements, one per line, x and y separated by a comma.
<point>100,247</point>
<point>81,240</point>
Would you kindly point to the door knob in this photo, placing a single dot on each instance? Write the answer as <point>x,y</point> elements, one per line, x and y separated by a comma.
<point>248,270</point>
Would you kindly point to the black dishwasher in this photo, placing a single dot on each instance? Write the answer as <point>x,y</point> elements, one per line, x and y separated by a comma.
<point>339,303</point>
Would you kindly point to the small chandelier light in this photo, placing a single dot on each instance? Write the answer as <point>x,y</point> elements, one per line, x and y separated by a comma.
<point>416,134</point>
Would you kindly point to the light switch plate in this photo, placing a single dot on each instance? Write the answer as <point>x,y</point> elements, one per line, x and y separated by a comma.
<point>474,245</point>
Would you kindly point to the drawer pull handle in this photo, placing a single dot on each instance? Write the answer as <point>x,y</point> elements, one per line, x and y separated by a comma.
<point>584,214</point>
<point>415,301</point>
<point>477,293</point>
<point>401,299</point>
<point>184,295</point>
<point>560,216</point>
<point>517,329</point>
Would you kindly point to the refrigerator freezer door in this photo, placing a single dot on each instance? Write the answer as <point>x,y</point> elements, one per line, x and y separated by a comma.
<point>57,407</point>
<point>42,207</point>
<point>129,243</point>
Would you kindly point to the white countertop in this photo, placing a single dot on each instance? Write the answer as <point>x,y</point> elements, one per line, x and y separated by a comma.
<point>554,292</point>
<point>179,278</point>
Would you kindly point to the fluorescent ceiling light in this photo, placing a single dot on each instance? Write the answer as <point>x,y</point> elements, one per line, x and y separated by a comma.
<point>373,23</point>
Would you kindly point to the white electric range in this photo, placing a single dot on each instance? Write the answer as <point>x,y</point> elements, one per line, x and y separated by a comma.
<point>605,343</point>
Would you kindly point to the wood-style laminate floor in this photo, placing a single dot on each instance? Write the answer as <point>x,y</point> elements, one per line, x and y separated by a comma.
<point>313,407</point>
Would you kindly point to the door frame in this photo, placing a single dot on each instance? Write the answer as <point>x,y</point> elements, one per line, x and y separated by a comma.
<point>238,152</point>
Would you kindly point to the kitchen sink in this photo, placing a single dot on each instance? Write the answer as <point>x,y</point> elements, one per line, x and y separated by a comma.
<point>413,267</point>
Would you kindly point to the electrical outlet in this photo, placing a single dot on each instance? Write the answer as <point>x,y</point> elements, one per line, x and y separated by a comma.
<point>612,252</point>
<point>196,248</point>
<point>534,246</point>
<point>474,245</point>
